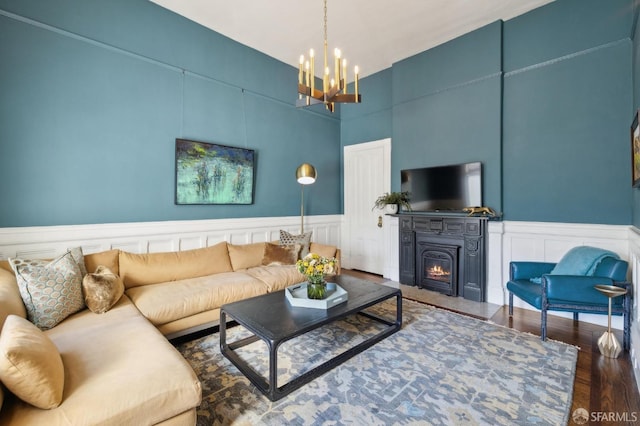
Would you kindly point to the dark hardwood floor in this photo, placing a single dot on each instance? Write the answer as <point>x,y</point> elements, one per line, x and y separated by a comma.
<point>605,387</point>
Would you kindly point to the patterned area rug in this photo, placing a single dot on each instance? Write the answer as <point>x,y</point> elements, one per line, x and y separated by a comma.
<point>441,369</point>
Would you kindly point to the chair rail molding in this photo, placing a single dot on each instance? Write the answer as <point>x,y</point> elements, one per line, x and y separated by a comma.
<point>149,237</point>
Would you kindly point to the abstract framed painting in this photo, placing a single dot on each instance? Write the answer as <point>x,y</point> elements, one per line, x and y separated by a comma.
<point>209,173</point>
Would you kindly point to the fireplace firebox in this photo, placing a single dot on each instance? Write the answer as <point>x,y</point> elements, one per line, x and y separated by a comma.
<point>444,253</point>
<point>438,267</point>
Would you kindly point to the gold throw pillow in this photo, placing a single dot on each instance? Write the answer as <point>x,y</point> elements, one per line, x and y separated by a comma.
<point>275,254</point>
<point>102,289</point>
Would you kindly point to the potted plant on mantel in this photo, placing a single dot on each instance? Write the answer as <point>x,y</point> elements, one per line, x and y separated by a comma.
<point>393,201</point>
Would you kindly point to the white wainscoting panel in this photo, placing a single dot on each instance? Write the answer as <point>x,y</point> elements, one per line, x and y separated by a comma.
<point>495,279</point>
<point>392,248</point>
<point>43,242</point>
<point>634,265</point>
<point>548,242</point>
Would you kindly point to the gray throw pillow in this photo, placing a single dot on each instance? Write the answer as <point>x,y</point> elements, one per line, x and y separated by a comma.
<point>51,291</point>
<point>287,239</point>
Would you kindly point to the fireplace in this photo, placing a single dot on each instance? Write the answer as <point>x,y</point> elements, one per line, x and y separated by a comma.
<point>438,267</point>
<point>444,254</point>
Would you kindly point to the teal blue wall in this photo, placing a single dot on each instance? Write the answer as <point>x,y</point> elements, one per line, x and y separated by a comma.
<point>544,100</point>
<point>567,109</point>
<point>446,108</point>
<point>370,120</point>
<point>94,94</point>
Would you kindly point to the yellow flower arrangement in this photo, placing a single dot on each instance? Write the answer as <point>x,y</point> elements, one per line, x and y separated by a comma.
<point>315,267</point>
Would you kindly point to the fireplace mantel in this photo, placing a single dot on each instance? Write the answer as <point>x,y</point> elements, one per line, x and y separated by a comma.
<point>467,233</point>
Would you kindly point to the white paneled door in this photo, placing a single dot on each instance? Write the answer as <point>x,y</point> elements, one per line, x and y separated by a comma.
<point>367,175</point>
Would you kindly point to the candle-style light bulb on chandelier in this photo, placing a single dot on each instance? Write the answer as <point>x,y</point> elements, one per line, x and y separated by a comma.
<point>334,89</point>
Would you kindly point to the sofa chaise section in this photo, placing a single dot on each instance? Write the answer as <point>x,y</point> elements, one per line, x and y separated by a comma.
<point>118,369</point>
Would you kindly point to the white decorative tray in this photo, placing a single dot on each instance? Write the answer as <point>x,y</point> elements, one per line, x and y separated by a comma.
<point>297,296</point>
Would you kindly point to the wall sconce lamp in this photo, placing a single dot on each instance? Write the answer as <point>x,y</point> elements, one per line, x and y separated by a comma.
<point>305,175</point>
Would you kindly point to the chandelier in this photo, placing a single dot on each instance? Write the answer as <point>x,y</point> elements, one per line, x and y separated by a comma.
<point>334,89</point>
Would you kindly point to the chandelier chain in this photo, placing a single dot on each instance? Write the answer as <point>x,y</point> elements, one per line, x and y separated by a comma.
<point>325,21</point>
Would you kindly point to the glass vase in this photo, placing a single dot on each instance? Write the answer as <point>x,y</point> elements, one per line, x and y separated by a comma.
<point>316,288</point>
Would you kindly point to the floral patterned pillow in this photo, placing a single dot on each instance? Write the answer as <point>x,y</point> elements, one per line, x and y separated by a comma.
<point>50,290</point>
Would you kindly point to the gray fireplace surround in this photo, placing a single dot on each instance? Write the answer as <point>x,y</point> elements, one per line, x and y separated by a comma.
<point>444,253</point>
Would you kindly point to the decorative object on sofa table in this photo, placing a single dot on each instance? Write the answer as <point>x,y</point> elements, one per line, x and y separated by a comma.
<point>297,296</point>
<point>607,343</point>
<point>397,199</point>
<point>333,89</point>
<point>315,267</point>
<point>317,289</point>
<point>479,211</point>
<point>305,175</point>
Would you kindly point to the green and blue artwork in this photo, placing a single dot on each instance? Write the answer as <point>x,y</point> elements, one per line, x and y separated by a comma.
<point>208,173</point>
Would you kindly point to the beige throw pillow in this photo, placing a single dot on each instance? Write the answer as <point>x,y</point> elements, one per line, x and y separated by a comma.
<point>102,289</point>
<point>30,364</point>
<point>275,254</point>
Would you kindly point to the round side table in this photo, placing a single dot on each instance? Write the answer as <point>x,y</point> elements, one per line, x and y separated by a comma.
<point>607,343</point>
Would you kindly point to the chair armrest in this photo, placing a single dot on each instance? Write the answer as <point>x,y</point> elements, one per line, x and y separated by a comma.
<point>575,288</point>
<point>528,270</point>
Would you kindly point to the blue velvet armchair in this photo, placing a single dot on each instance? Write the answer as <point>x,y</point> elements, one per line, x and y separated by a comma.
<point>571,293</point>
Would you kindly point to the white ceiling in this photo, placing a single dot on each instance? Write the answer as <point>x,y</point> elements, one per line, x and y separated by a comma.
<point>372,34</point>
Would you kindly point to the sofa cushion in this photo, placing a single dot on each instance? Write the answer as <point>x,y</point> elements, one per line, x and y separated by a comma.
<point>303,239</point>
<point>275,254</point>
<point>10,300</point>
<point>323,250</point>
<point>102,289</point>
<point>277,277</point>
<point>107,258</point>
<point>118,370</point>
<point>51,291</point>
<point>30,364</point>
<point>153,268</point>
<point>245,256</point>
<point>170,301</point>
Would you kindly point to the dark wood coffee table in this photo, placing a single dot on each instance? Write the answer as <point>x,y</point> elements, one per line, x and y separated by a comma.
<point>271,318</point>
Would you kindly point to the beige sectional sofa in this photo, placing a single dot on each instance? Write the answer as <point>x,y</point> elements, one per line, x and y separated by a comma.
<point>119,366</point>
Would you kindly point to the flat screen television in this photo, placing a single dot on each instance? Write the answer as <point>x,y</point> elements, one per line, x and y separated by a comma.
<point>443,188</point>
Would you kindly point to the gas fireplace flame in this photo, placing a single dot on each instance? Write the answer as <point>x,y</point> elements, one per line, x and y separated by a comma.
<point>437,271</point>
